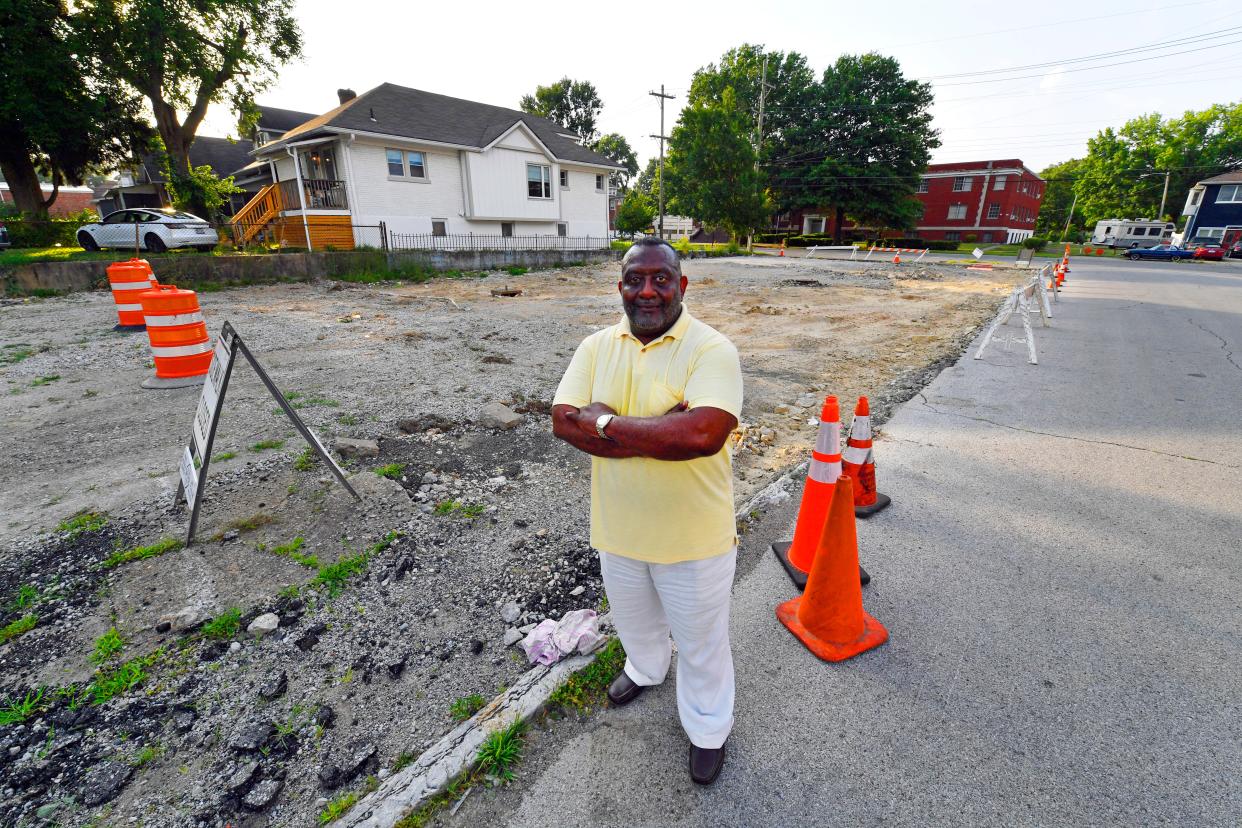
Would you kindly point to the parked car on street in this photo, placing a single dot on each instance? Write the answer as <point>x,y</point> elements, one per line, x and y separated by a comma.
<point>152,230</point>
<point>1210,252</point>
<point>1235,252</point>
<point>4,235</point>
<point>1163,252</point>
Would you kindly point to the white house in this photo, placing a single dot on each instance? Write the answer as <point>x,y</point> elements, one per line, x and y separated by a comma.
<point>426,165</point>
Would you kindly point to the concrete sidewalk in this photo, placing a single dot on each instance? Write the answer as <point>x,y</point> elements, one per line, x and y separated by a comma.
<point>1060,576</point>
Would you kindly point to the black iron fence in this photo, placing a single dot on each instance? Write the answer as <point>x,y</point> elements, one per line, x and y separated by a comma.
<point>467,241</point>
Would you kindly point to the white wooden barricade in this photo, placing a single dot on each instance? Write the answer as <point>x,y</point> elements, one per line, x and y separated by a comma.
<point>922,251</point>
<point>1020,300</point>
<point>810,251</point>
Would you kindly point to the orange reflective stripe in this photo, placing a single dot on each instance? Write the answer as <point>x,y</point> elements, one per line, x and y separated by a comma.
<point>826,458</point>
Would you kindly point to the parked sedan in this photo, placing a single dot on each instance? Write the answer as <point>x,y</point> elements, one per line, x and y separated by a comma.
<point>1163,252</point>
<point>1210,252</point>
<point>1235,252</point>
<point>153,230</point>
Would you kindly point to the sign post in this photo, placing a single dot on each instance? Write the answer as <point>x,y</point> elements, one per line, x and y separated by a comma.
<point>196,456</point>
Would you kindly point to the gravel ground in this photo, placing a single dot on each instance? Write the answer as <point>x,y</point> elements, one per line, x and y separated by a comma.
<point>482,531</point>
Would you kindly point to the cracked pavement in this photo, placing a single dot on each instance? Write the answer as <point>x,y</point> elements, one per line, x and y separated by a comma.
<point>1059,575</point>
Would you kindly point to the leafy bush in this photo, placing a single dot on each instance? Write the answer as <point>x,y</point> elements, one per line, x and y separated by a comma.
<point>29,232</point>
<point>1035,243</point>
<point>970,238</point>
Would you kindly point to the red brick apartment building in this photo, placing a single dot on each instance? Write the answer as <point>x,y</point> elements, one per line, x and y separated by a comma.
<point>995,201</point>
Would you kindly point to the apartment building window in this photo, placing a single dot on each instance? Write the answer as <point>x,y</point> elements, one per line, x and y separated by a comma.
<point>560,230</point>
<point>506,228</point>
<point>406,164</point>
<point>439,227</point>
<point>999,183</point>
<point>599,183</point>
<point>564,179</point>
<point>538,181</point>
<point>961,183</point>
<point>922,185</point>
<point>957,211</point>
<point>1229,194</point>
<point>953,235</point>
<point>993,211</point>
<point>985,237</point>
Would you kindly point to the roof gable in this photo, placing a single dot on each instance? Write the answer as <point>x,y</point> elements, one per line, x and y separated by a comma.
<point>1231,177</point>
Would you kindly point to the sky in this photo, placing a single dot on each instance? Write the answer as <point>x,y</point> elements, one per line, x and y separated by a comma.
<point>495,53</point>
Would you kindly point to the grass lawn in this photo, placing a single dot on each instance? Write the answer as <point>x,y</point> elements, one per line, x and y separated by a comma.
<point>34,255</point>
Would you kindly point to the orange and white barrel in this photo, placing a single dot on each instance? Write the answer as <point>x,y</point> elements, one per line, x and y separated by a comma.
<point>178,333</point>
<point>127,280</point>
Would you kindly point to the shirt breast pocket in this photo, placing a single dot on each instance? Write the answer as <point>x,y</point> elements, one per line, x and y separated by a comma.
<point>655,397</point>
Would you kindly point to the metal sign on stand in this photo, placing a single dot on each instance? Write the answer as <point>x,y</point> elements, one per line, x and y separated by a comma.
<point>196,456</point>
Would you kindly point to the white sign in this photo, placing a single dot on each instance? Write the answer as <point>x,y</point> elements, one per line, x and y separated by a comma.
<point>219,364</point>
<point>977,253</point>
<point>189,476</point>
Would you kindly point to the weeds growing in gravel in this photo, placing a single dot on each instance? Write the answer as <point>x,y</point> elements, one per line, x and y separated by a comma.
<point>466,706</point>
<point>455,508</point>
<point>290,550</point>
<point>17,628</point>
<point>45,380</point>
<point>222,456</point>
<point>106,646</point>
<point>403,761</point>
<point>15,353</point>
<point>516,270</point>
<point>337,808</point>
<point>264,445</point>
<point>502,750</point>
<point>392,471</point>
<point>111,683</point>
<point>348,419</point>
<point>147,755</point>
<point>588,687</point>
<point>306,460</point>
<point>335,576</point>
<point>83,522</point>
<point>13,711</point>
<point>246,524</point>
<point>224,626</point>
<point>27,596</point>
<point>139,553</point>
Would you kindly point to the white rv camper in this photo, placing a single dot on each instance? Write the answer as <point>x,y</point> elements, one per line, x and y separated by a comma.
<point>1128,234</point>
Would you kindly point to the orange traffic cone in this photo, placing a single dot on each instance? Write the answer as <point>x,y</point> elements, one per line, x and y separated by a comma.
<point>829,617</point>
<point>798,555</point>
<point>896,258</point>
<point>858,461</point>
<point>782,248</point>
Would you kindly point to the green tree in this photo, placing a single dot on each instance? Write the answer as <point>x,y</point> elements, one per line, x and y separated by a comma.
<point>711,172</point>
<point>60,117</point>
<point>790,91</point>
<point>615,148</point>
<point>861,145</point>
<point>184,55</point>
<point>1058,199</point>
<point>573,104</point>
<point>648,181</point>
<point>634,214</point>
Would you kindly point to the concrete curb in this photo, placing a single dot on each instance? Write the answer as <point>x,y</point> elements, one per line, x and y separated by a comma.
<point>455,752</point>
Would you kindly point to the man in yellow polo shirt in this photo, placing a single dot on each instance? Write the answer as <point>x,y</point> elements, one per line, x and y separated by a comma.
<point>654,399</point>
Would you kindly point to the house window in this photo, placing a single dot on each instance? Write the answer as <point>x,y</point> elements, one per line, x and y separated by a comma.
<point>993,211</point>
<point>961,183</point>
<point>506,228</point>
<point>985,237</point>
<point>1229,194</point>
<point>1194,197</point>
<point>999,183</point>
<point>814,225</point>
<point>953,235</point>
<point>538,181</point>
<point>560,230</point>
<point>418,164</point>
<point>957,211</point>
<point>565,179</point>
<point>922,185</point>
<point>396,164</point>
<point>599,183</point>
<point>439,227</point>
<point>1209,232</point>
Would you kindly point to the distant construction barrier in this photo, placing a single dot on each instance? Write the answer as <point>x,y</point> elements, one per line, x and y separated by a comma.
<point>810,251</point>
<point>897,250</point>
<point>1026,299</point>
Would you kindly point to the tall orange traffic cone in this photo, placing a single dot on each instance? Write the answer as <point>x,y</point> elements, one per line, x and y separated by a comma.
<point>829,617</point>
<point>896,258</point>
<point>798,555</point>
<point>782,248</point>
<point>858,461</point>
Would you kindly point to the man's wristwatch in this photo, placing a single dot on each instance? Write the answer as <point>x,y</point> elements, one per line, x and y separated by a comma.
<point>601,423</point>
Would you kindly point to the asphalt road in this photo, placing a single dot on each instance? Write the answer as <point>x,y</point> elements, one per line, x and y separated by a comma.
<point>1060,575</point>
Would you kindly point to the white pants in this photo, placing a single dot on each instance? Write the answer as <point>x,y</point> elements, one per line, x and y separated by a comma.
<point>690,599</point>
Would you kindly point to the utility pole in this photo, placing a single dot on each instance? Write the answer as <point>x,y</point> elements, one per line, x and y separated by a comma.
<point>763,95</point>
<point>1165,196</point>
<point>663,138</point>
<point>1070,217</point>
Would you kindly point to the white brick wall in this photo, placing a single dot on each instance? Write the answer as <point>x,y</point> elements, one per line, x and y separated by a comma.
<point>583,208</point>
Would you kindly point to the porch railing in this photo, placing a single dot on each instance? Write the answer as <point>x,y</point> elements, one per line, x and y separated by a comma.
<point>320,194</point>
<point>466,241</point>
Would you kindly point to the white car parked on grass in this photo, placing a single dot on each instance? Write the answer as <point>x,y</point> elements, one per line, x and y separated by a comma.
<point>157,231</point>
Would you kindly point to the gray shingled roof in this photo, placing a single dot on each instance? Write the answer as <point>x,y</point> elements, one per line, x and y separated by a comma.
<point>281,120</point>
<point>223,155</point>
<point>1233,177</point>
<point>414,114</point>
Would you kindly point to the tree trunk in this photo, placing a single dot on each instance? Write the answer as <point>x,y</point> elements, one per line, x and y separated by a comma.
<point>836,230</point>
<point>178,150</point>
<point>23,181</point>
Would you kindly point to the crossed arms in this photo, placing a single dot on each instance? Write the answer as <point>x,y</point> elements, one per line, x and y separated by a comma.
<point>678,434</point>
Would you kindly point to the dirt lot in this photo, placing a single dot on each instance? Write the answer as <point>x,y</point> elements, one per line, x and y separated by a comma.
<point>222,726</point>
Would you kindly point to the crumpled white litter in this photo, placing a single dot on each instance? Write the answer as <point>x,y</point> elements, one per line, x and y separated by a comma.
<point>550,641</point>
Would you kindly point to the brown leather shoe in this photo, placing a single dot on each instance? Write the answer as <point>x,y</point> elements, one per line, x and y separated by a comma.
<point>623,690</point>
<point>705,764</point>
